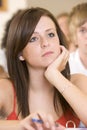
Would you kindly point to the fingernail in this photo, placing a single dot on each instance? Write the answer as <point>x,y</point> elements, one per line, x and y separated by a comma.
<point>47,125</point>
<point>53,127</point>
<point>40,128</point>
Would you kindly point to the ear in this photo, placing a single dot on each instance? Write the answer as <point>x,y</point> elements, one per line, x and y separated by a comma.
<point>21,58</point>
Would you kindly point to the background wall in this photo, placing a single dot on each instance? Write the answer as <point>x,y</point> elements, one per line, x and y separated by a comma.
<point>12,6</point>
<point>55,6</point>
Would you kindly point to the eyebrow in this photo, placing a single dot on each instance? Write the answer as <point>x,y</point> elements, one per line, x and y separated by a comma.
<point>50,29</point>
<point>47,30</point>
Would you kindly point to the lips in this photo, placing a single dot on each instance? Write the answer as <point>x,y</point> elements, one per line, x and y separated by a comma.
<point>47,53</point>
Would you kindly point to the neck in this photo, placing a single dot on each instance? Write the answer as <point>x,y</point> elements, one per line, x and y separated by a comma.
<point>42,101</point>
<point>38,82</point>
<point>41,94</point>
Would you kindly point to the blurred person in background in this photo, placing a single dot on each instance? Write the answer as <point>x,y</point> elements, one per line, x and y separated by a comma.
<point>78,35</point>
<point>3,61</point>
<point>62,20</point>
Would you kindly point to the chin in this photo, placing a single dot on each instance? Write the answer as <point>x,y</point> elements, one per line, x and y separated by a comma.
<point>49,63</point>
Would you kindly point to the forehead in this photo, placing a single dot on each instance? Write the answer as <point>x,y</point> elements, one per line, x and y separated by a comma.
<point>84,24</point>
<point>45,23</point>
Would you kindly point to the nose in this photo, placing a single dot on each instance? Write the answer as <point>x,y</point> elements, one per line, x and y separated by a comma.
<point>44,43</point>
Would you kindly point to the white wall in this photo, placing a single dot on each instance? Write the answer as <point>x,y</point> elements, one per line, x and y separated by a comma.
<point>55,6</point>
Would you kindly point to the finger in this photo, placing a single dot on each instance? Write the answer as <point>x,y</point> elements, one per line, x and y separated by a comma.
<point>27,122</point>
<point>64,55</point>
<point>60,127</point>
<point>27,126</point>
<point>37,122</point>
<point>50,122</point>
<point>64,51</point>
<point>44,119</point>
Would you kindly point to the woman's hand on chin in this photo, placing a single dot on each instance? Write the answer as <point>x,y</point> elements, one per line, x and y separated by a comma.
<point>58,65</point>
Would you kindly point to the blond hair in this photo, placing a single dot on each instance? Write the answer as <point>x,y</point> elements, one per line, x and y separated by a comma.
<point>78,17</point>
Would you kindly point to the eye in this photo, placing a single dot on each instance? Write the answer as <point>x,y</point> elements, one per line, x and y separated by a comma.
<point>83,30</point>
<point>51,34</point>
<point>33,39</point>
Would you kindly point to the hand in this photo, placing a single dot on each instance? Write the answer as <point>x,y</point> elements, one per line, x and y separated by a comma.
<point>56,66</point>
<point>61,60</point>
<point>38,122</point>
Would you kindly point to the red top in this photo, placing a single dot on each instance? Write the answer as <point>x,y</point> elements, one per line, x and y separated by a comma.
<point>13,115</point>
<point>68,116</point>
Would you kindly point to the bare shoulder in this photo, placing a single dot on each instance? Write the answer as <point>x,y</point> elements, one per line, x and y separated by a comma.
<point>80,80</point>
<point>78,77</point>
<point>6,89</point>
<point>5,84</point>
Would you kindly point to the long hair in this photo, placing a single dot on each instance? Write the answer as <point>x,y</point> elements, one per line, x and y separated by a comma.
<point>20,31</point>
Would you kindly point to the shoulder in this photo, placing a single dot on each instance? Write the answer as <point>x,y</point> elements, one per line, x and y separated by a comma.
<point>6,85</point>
<point>80,80</point>
<point>6,90</point>
<point>73,55</point>
<point>3,73</point>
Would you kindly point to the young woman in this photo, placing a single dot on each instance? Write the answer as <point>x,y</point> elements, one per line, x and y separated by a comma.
<point>40,84</point>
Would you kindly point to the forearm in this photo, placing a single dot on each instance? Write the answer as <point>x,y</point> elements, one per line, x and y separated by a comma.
<point>10,125</point>
<point>73,95</point>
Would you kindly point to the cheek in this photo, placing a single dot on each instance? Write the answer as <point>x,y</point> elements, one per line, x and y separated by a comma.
<point>57,45</point>
<point>79,40</point>
<point>79,36</point>
<point>57,48</point>
<point>30,55</point>
<point>30,51</point>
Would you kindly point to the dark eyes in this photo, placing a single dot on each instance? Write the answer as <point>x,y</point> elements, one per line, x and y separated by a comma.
<point>51,34</point>
<point>38,37</point>
<point>83,30</point>
<point>33,39</point>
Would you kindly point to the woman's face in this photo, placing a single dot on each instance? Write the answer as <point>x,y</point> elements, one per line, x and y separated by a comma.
<point>82,38</point>
<point>43,47</point>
